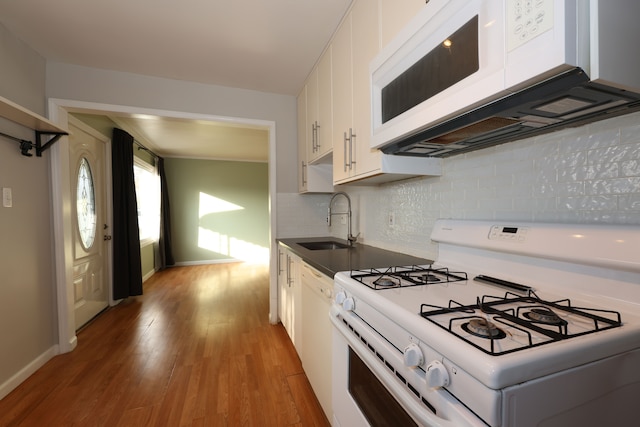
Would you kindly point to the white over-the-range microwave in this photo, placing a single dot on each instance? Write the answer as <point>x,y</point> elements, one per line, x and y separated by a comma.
<point>466,74</point>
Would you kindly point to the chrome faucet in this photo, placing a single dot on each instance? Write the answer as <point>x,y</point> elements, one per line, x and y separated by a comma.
<point>350,237</point>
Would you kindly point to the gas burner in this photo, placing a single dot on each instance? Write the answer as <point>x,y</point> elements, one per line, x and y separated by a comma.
<point>387,282</point>
<point>428,278</point>
<point>544,315</point>
<point>483,328</point>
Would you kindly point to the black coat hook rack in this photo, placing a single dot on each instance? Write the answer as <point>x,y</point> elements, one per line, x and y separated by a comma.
<point>26,145</point>
<point>43,128</point>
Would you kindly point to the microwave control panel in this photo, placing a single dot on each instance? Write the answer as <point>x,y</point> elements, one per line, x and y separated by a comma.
<point>527,19</point>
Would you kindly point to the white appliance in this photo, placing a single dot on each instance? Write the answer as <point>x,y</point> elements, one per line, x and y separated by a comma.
<point>317,293</point>
<point>466,74</point>
<point>516,324</point>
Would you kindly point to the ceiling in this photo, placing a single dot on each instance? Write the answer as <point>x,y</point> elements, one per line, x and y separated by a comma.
<point>186,138</point>
<point>263,45</point>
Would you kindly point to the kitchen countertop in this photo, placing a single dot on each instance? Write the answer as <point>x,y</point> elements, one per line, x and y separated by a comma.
<point>359,256</point>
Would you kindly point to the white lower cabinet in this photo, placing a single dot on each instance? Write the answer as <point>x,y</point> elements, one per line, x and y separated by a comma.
<point>316,354</point>
<point>289,290</point>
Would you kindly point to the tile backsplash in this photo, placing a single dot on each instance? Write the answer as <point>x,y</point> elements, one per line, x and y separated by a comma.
<point>589,174</point>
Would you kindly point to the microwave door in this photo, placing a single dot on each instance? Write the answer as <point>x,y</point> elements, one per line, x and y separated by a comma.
<point>455,60</point>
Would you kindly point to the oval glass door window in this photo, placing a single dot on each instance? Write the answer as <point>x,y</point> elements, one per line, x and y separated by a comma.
<point>86,206</point>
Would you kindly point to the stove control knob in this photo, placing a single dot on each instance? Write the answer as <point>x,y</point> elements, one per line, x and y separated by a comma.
<point>348,304</point>
<point>340,297</point>
<point>413,356</point>
<point>437,375</point>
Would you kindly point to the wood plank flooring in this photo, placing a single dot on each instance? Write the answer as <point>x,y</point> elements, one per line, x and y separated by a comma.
<point>196,349</point>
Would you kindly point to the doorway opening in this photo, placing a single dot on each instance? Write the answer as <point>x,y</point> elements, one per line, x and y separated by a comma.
<point>59,112</point>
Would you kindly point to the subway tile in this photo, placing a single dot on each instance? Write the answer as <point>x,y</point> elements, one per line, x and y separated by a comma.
<point>629,202</point>
<point>587,203</point>
<point>614,186</point>
<point>630,168</point>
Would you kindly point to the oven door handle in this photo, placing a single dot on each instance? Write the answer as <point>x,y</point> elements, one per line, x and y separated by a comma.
<point>415,409</point>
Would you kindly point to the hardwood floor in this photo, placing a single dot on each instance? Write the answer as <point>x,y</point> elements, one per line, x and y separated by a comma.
<point>196,349</point>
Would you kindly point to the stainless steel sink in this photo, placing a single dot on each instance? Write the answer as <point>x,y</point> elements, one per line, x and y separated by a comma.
<point>323,245</point>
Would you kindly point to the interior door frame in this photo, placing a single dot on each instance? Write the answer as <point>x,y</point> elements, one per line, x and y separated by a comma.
<point>59,110</point>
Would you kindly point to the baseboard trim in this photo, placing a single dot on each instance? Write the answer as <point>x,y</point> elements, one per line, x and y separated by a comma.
<point>13,382</point>
<point>148,275</point>
<point>205,262</point>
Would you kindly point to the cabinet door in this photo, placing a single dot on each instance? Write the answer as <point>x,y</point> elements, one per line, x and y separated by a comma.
<point>312,178</point>
<point>295,301</point>
<point>365,31</point>
<point>325,119</point>
<point>395,15</point>
<point>343,101</point>
<point>283,289</point>
<point>302,140</point>
<point>312,114</point>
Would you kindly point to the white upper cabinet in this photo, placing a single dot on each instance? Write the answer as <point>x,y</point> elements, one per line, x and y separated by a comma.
<point>343,127</point>
<point>319,111</point>
<point>355,44</point>
<point>312,178</point>
<point>338,104</point>
<point>395,15</point>
<point>365,36</point>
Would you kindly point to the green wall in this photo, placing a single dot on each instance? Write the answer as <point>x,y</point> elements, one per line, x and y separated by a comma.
<point>219,209</point>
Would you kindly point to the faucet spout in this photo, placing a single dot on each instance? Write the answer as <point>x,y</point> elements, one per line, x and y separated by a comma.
<point>350,237</point>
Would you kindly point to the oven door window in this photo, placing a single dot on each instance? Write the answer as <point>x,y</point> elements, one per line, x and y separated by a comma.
<point>376,403</point>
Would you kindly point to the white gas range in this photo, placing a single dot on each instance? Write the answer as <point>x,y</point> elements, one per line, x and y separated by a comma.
<point>516,324</point>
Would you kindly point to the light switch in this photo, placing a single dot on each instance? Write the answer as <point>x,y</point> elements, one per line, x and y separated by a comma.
<point>7,198</point>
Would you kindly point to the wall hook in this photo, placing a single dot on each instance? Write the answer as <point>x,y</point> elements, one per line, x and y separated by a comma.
<point>25,146</point>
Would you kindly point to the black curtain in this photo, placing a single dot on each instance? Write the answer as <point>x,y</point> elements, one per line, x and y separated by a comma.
<point>166,255</point>
<point>127,268</point>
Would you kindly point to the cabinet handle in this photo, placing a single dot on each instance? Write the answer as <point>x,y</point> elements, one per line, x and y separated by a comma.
<point>317,137</point>
<point>351,142</point>
<point>313,137</point>
<point>279,262</point>
<point>304,173</point>
<point>346,164</point>
<point>289,278</point>
<point>348,161</point>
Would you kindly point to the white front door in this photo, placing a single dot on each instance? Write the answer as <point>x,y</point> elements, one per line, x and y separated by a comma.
<point>91,233</point>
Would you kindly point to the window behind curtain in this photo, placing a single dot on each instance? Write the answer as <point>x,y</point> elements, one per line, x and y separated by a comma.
<point>148,194</point>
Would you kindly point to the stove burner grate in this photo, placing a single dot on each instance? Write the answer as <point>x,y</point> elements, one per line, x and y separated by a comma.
<point>531,316</point>
<point>405,276</point>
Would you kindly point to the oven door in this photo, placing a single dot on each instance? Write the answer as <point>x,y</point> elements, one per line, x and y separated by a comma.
<point>372,387</point>
<point>359,398</point>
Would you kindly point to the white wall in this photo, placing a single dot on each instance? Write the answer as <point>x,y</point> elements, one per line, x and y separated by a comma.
<point>27,299</point>
<point>77,83</point>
